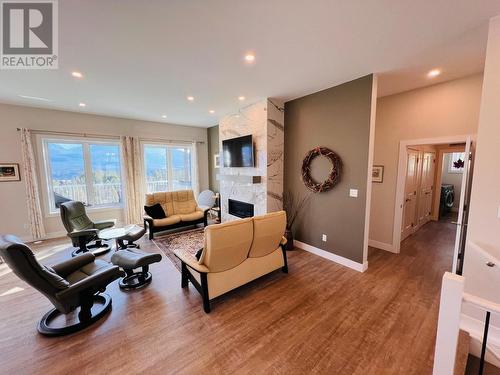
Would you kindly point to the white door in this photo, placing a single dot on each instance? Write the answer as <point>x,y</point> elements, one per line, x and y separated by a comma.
<point>463,208</point>
<point>426,188</point>
<point>410,198</point>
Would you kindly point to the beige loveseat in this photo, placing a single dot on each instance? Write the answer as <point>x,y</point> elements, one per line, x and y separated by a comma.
<point>234,254</point>
<point>180,208</point>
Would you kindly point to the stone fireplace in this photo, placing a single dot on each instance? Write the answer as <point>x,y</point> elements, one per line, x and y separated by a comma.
<point>261,185</point>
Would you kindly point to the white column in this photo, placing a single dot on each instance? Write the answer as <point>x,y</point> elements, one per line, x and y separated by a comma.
<point>450,307</point>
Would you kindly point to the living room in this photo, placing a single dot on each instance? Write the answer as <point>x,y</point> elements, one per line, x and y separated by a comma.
<point>171,204</point>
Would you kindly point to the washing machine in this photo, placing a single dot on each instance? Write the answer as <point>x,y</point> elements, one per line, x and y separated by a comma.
<point>447,199</point>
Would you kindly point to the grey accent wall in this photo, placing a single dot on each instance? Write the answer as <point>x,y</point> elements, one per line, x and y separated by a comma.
<point>213,148</point>
<point>337,118</point>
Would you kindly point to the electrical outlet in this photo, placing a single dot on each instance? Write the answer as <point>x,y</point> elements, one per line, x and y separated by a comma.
<point>323,238</point>
<point>353,193</point>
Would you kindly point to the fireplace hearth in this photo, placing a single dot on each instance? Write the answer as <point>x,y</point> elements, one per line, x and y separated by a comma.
<point>240,209</point>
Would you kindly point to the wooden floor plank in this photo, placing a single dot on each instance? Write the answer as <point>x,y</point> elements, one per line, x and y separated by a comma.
<point>320,318</point>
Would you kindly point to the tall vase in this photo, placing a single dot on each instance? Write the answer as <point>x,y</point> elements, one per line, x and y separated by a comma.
<point>289,238</point>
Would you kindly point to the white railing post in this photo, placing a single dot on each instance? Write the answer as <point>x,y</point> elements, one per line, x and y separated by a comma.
<point>450,307</point>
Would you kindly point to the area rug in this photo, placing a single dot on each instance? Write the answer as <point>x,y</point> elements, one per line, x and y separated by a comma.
<point>190,241</point>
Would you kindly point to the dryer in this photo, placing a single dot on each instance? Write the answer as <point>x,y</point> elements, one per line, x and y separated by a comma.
<point>447,199</point>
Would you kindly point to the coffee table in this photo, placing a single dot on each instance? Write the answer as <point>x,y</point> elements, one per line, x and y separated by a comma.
<point>115,234</point>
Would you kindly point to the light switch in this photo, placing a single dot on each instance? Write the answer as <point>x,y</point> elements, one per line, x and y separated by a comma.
<point>353,193</point>
<point>498,213</point>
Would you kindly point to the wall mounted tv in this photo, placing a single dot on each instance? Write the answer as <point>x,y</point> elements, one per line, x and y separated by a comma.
<point>238,152</point>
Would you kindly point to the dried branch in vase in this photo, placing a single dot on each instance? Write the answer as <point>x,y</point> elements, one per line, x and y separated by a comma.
<point>293,204</point>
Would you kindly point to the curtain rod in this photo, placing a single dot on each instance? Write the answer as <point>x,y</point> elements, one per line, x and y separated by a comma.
<point>168,140</point>
<point>90,135</point>
<point>87,135</point>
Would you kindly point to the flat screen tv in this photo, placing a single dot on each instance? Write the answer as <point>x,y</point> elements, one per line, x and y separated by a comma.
<point>238,152</point>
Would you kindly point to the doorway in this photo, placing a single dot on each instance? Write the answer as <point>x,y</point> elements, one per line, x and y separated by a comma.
<point>450,179</point>
<point>433,184</point>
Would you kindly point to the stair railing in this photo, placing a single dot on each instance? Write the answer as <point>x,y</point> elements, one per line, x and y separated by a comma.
<point>450,306</point>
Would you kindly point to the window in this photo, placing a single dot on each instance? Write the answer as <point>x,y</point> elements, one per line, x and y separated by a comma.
<point>456,162</point>
<point>86,171</point>
<point>167,168</point>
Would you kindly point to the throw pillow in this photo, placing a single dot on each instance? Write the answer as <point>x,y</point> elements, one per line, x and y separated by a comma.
<point>155,211</point>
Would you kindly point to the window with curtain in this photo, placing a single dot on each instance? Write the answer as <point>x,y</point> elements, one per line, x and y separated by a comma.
<point>168,167</point>
<point>456,162</point>
<point>82,170</point>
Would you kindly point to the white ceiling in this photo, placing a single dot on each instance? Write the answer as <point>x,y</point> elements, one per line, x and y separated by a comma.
<point>140,59</point>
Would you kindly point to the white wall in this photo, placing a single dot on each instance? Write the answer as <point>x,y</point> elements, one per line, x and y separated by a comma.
<point>454,179</point>
<point>14,213</point>
<point>446,109</point>
<point>484,224</point>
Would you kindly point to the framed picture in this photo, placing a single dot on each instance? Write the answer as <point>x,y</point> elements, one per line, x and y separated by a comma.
<point>9,172</point>
<point>216,161</point>
<point>378,173</point>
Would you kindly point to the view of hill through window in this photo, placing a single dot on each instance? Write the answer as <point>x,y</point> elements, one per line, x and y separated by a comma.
<point>91,172</point>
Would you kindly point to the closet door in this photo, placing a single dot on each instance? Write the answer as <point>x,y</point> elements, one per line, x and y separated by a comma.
<point>426,188</point>
<point>411,187</point>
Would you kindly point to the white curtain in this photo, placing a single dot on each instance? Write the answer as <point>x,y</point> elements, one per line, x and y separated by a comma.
<point>134,187</point>
<point>31,182</point>
<point>194,170</point>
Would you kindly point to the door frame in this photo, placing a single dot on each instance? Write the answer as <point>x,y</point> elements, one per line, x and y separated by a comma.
<point>439,175</point>
<point>401,174</point>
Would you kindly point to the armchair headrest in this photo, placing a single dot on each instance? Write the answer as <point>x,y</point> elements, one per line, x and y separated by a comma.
<point>268,231</point>
<point>227,244</point>
<point>23,263</point>
<point>74,216</point>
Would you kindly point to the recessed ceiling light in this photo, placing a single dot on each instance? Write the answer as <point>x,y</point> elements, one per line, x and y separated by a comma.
<point>77,74</point>
<point>434,73</point>
<point>163,116</point>
<point>241,98</point>
<point>82,105</point>
<point>190,98</point>
<point>250,57</point>
<point>211,111</point>
<point>34,98</point>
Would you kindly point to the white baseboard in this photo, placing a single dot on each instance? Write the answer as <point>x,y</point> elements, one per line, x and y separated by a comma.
<point>382,245</point>
<point>360,267</point>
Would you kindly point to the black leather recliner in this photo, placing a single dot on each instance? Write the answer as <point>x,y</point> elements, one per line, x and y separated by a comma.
<point>82,230</point>
<point>69,285</point>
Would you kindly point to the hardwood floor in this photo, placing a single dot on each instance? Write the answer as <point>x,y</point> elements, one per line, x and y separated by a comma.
<point>320,318</point>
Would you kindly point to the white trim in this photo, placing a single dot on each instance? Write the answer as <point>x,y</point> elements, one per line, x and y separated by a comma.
<point>382,246</point>
<point>464,185</point>
<point>360,267</point>
<point>371,147</point>
<point>401,174</point>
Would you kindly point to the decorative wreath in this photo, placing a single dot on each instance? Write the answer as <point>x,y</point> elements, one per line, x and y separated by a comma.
<point>334,176</point>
